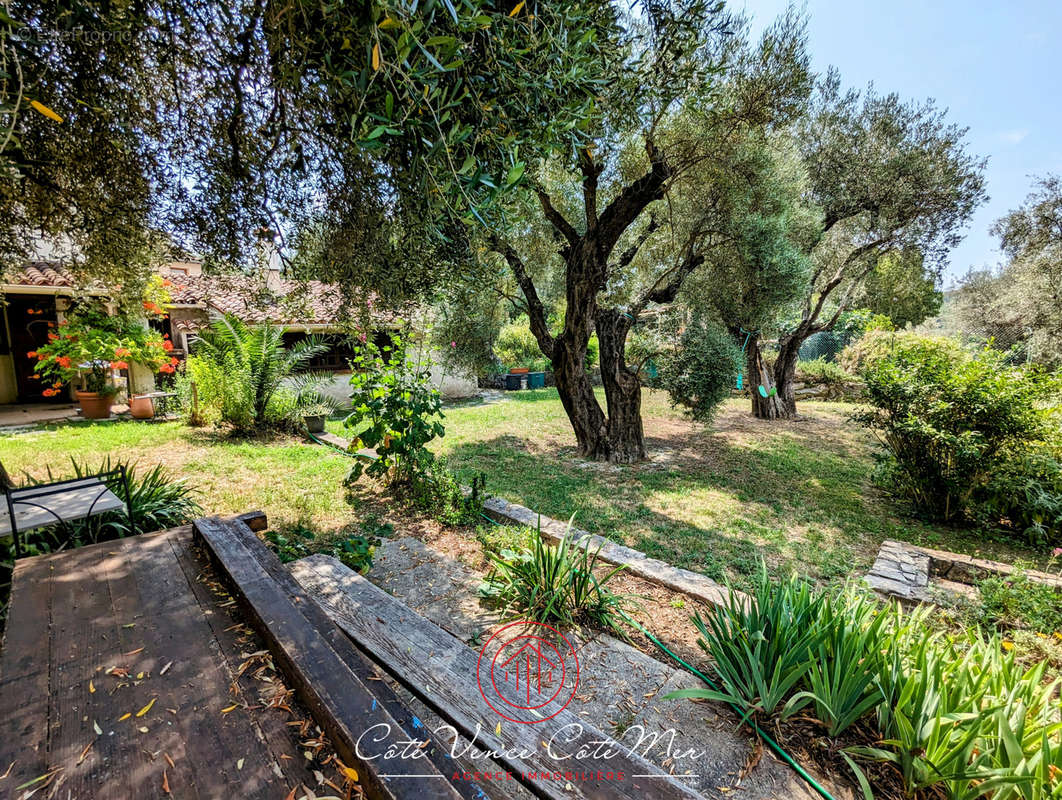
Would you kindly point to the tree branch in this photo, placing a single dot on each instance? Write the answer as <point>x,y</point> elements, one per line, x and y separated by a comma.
<point>590,172</point>
<point>628,255</point>
<point>536,312</point>
<point>556,218</point>
<point>633,199</point>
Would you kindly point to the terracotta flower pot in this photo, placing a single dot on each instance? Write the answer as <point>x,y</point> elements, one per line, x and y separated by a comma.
<point>94,405</point>
<point>141,407</point>
<point>519,370</point>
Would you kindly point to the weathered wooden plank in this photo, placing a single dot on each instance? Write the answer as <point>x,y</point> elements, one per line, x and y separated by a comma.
<point>361,664</point>
<point>24,675</point>
<point>441,671</point>
<point>270,725</point>
<point>340,702</point>
<point>86,640</point>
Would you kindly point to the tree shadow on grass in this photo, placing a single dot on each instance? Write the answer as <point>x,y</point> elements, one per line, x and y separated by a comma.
<point>717,507</point>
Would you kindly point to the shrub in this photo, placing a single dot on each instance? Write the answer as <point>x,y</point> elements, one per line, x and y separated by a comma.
<point>878,344</point>
<point>700,373</point>
<point>822,371</point>
<point>954,717</point>
<point>952,423</point>
<point>555,584</point>
<point>396,409</point>
<point>516,345</point>
<point>248,379</point>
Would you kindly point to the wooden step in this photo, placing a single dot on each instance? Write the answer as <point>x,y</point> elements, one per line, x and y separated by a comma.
<point>441,671</point>
<point>330,676</point>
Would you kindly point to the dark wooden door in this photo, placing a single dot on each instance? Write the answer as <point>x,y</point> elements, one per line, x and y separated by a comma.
<point>31,318</point>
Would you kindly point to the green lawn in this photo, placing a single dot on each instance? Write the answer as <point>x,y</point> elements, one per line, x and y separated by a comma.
<point>712,499</point>
<point>294,483</point>
<point>715,499</point>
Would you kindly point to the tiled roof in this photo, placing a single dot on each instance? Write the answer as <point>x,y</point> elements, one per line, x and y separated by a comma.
<point>41,273</point>
<point>250,297</point>
<point>282,302</point>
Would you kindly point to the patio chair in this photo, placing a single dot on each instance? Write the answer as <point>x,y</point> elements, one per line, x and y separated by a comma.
<point>59,503</point>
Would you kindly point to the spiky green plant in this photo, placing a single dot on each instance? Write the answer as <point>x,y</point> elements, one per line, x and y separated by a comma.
<point>254,360</point>
<point>556,585</point>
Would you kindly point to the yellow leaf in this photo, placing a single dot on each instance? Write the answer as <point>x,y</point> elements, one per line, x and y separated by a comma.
<point>1008,645</point>
<point>92,689</point>
<point>124,717</point>
<point>388,22</point>
<point>351,773</point>
<point>376,56</point>
<point>516,10</point>
<point>146,708</point>
<point>233,707</point>
<point>497,729</point>
<point>43,109</point>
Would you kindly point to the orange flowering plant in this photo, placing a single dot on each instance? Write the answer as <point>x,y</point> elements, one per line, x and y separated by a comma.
<point>92,343</point>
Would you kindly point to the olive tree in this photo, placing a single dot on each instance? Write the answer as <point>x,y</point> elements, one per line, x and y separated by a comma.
<point>885,175</point>
<point>685,84</point>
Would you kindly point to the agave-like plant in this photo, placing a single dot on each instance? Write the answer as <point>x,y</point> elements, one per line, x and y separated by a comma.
<point>259,354</point>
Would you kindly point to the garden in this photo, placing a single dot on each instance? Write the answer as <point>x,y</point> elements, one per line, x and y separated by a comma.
<point>727,414</point>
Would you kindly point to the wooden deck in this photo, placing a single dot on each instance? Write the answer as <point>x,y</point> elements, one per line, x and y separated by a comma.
<point>120,677</point>
<point>128,670</point>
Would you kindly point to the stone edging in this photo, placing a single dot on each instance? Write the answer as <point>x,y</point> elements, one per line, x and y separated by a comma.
<point>635,562</point>
<point>903,570</point>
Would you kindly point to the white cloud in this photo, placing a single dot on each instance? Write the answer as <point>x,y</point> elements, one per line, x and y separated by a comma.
<point>1014,136</point>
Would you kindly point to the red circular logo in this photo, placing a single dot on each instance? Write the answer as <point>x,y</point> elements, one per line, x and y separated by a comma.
<point>527,672</point>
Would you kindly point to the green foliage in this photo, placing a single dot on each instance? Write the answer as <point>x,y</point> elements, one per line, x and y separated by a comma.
<point>103,341</point>
<point>558,584</point>
<point>820,370</point>
<point>516,346</point>
<point>956,718</point>
<point>355,551</point>
<point>396,409</point>
<point>247,379</point>
<point>1018,601</point>
<point>880,344</point>
<point>1017,305</point>
<point>699,374</point>
<point>953,423</point>
<point>901,289</point>
<point>762,647</point>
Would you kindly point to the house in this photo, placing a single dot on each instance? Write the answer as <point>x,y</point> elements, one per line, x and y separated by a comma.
<point>39,293</point>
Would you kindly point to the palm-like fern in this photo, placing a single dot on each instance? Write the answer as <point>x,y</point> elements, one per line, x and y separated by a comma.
<point>259,353</point>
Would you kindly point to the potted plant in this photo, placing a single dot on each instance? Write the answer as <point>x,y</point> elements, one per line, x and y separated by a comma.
<point>89,346</point>
<point>314,416</point>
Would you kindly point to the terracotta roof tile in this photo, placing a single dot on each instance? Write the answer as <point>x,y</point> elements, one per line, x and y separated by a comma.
<point>42,273</point>
<point>249,297</point>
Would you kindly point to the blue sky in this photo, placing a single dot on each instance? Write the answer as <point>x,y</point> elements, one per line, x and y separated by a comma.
<point>994,65</point>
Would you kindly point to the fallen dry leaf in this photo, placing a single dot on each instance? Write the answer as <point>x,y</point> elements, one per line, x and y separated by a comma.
<point>84,752</point>
<point>96,727</point>
<point>165,669</point>
<point>92,688</point>
<point>233,707</point>
<point>125,716</point>
<point>10,767</point>
<point>146,708</point>
<point>165,782</point>
<point>239,764</point>
<point>169,760</point>
<point>134,652</point>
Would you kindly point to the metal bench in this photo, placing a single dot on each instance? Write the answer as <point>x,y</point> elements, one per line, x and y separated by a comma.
<point>60,503</point>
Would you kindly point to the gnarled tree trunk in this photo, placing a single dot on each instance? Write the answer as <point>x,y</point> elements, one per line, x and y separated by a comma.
<point>770,407</point>
<point>623,389</point>
<point>785,373</point>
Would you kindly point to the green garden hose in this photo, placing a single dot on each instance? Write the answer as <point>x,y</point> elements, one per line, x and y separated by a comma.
<point>777,748</point>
